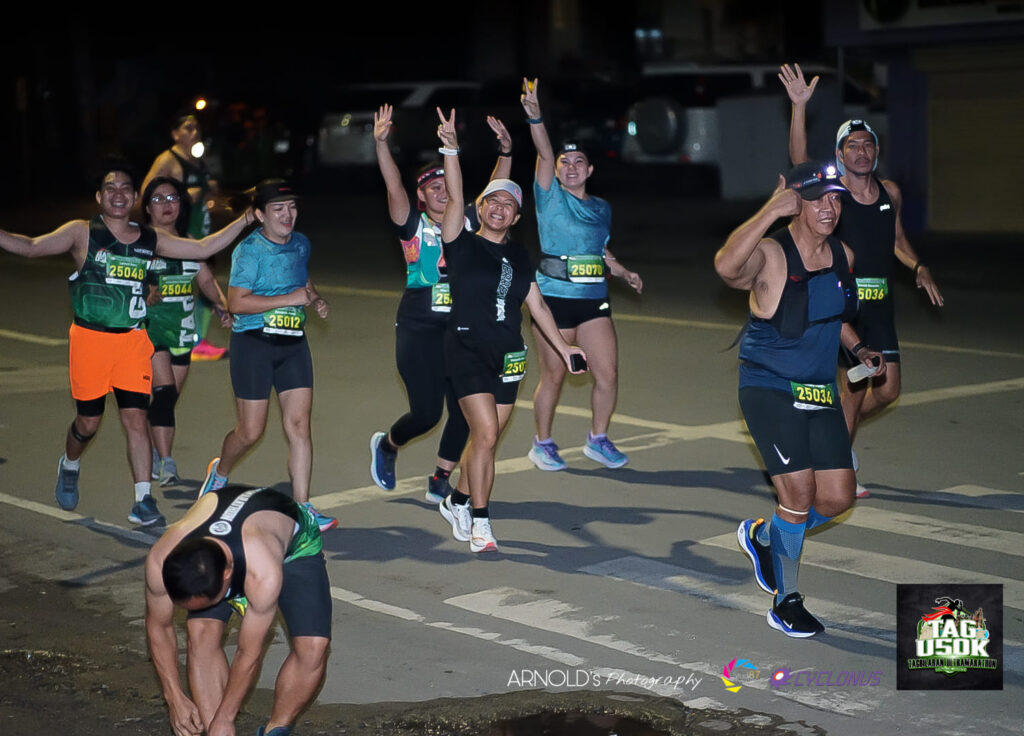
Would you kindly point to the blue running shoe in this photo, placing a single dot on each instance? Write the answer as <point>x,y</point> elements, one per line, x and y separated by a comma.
<point>382,462</point>
<point>792,619</point>
<point>212,482</point>
<point>603,450</point>
<point>760,554</point>
<point>67,486</point>
<point>145,513</point>
<point>545,456</point>
<point>322,520</point>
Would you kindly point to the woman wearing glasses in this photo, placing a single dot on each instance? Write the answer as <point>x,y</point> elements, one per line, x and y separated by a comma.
<point>173,288</point>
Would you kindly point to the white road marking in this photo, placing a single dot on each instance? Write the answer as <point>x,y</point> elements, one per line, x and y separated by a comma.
<point>890,568</point>
<point>865,516</point>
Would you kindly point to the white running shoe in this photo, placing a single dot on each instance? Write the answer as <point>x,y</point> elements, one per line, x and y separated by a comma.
<point>459,517</point>
<point>483,539</point>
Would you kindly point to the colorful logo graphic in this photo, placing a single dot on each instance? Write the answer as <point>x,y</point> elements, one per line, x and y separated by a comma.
<point>740,664</point>
<point>949,637</point>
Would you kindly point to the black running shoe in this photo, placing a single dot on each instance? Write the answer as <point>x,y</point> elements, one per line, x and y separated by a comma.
<point>792,619</point>
<point>760,554</point>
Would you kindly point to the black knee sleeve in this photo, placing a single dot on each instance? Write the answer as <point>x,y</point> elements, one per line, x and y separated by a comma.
<point>83,438</point>
<point>161,408</point>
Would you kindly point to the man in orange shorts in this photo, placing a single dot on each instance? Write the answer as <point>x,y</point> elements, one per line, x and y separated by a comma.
<point>109,349</point>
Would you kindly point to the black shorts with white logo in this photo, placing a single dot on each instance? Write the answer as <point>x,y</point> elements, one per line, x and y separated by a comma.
<point>791,439</point>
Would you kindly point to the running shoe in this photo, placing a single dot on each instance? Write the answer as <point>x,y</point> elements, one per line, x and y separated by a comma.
<point>482,539</point>
<point>168,474</point>
<point>862,492</point>
<point>211,482</point>
<point>545,456</point>
<point>145,513</point>
<point>322,520</point>
<point>604,451</point>
<point>205,351</point>
<point>279,731</point>
<point>760,554</point>
<point>459,517</point>
<point>382,462</point>
<point>438,489</point>
<point>67,486</point>
<point>792,619</point>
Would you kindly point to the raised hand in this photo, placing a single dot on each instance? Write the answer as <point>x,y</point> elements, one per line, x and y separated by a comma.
<point>446,130</point>
<point>785,202</point>
<point>504,139</point>
<point>792,79</point>
<point>529,98</point>
<point>382,123</point>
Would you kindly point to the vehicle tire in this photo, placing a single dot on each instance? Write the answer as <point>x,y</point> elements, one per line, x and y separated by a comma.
<point>660,125</point>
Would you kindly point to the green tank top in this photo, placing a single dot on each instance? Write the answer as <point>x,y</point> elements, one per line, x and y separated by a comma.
<point>108,291</point>
<point>172,321</point>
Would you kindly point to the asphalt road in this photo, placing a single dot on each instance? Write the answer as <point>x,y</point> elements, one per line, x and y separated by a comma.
<point>624,581</point>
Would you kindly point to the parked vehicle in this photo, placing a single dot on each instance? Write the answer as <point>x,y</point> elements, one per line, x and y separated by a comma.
<point>675,120</point>
<point>345,135</point>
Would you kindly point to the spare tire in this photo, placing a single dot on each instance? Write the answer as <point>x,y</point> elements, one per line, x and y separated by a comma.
<point>660,124</point>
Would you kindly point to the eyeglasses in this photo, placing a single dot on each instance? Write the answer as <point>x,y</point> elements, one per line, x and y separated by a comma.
<point>161,198</point>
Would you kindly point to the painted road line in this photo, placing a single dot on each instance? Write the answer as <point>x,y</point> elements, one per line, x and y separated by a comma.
<point>975,497</point>
<point>960,391</point>
<point>936,530</point>
<point>889,568</point>
<point>35,339</point>
<point>558,617</point>
<point>738,595</point>
<point>609,676</point>
<point>859,623</point>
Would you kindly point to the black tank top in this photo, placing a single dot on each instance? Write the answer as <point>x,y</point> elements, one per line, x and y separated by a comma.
<point>235,504</point>
<point>870,231</point>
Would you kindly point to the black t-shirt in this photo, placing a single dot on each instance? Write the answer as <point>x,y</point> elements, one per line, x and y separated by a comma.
<point>489,284</point>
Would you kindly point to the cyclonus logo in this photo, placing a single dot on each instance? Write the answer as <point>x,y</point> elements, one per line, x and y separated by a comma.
<point>949,637</point>
<point>808,677</point>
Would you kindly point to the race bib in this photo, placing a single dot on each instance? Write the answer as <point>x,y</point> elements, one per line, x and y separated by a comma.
<point>872,290</point>
<point>125,270</point>
<point>441,297</point>
<point>288,321</point>
<point>514,367</point>
<point>175,288</point>
<point>812,395</point>
<point>585,269</point>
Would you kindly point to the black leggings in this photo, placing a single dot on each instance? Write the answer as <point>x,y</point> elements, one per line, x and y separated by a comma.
<point>419,353</point>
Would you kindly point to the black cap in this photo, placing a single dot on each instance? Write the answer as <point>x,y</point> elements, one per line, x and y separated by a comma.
<point>272,190</point>
<point>813,179</point>
<point>571,146</point>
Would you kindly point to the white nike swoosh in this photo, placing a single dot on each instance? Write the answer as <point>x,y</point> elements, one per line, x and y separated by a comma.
<point>785,460</point>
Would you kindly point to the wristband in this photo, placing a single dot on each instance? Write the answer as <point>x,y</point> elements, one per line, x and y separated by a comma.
<point>535,121</point>
<point>917,267</point>
<point>505,155</point>
<point>858,347</point>
<point>448,151</point>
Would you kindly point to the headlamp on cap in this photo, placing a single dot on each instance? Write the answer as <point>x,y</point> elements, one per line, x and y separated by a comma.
<point>814,179</point>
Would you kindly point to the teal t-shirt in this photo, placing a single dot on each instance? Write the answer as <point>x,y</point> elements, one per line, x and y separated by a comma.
<point>270,269</point>
<point>569,226</point>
